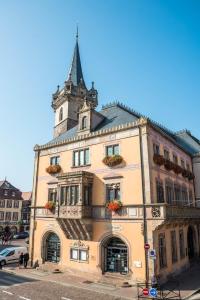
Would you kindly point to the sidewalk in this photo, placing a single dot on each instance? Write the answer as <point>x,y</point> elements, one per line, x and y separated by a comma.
<point>70,280</point>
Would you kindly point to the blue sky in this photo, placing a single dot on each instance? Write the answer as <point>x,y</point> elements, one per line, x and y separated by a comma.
<point>144,53</point>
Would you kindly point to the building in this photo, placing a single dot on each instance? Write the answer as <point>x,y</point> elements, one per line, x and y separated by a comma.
<point>109,182</point>
<point>26,211</point>
<point>10,207</point>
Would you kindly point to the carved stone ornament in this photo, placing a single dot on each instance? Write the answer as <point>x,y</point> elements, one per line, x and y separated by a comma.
<point>155,212</point>
<point>79,244</point>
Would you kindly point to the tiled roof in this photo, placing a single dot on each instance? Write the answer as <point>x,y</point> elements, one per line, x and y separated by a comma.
<point>116,114</point>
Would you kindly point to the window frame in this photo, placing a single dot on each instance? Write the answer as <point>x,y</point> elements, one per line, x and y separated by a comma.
<point>113,146</point>
<point>56,158</point>
<point>156,148</point>
<point>162,250</point>
<point>9,205</point>
<point>181,244</point>
<point>77,156</point>
<point>78,251</point>
<point>116,191</point>
<point>174,252</point>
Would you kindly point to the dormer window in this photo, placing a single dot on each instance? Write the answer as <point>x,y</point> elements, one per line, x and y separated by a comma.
<point>84,123</point>
<point>61,114</point>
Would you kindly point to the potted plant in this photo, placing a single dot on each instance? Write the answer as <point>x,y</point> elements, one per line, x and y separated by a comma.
<point>112,160</point>
<point>177,169</point>
<point>158,159</point>
<point>53,169</point>
<point>114,205</point>
<point>191,176</point>
<point>50,205</point>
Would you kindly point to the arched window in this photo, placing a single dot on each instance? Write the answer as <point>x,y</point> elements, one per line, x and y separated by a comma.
<point>61,114</point>
<point>84,123</point>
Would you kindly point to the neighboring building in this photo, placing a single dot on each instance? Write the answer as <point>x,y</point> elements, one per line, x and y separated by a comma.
<point>116,153</point>
<point>10,206</point>
<point>26,211</point>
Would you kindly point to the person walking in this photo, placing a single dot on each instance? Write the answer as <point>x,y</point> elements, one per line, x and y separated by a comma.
<point>21,259</point>
<point>26,259</point>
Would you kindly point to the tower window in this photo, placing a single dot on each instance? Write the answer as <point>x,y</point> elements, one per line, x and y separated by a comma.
<point>84,123</point>
<point>61,114</point>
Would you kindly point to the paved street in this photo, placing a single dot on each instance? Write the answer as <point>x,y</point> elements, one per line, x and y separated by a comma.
<point>14,287</point>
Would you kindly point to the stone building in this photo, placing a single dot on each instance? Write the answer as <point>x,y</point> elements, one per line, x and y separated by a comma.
<point>10,207</point>
<point>109,182</point>
<point>26,211</point>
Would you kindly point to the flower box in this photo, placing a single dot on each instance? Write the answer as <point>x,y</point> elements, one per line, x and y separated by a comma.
<point>158,159</point>
<point>184,173</point>
<point>53,169</point>
<point>113,160</point>
<point>50,205</point>
<point>177,169</point>
<point>114,205</point>
<point>168,165</point>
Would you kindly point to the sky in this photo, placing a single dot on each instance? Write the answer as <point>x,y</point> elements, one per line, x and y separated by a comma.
<point>143,53</point>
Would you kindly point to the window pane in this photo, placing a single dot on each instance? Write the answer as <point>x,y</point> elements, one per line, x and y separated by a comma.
<point>109,150</point>
<point>74,254</point>
<point>87,158</point>
<point>81,157</point>
<point>76,160</point>
<point>83,255</point>
<point>116,149</point>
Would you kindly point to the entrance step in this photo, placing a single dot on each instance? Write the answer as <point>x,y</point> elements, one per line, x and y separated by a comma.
<point>116,280</point>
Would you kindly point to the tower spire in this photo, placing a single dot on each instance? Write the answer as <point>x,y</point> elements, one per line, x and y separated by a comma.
<point>75,72</point>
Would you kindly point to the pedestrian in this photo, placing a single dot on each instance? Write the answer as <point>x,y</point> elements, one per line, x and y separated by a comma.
<point>26,259</point>
<point>21,259</point>
<point>0,265</point>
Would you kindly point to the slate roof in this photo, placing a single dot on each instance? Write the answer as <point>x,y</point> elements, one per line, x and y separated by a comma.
<point>4,184</point>
<point>116,114</point>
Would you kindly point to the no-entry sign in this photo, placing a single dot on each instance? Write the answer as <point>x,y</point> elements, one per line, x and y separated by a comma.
<point>145,292</point>
<point>146,246</point>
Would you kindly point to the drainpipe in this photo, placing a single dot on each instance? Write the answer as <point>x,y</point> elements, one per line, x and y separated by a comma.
<point>144,208</point>
<point>33,203</point>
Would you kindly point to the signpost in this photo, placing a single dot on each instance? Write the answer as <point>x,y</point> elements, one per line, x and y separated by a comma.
<point>153,292</point>
<point>145,292</point>
<point>146,246</point>
<point>152,254</point>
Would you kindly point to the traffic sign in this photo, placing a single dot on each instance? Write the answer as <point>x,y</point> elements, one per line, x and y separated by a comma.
<point>152,254</point>
<point>153,292</point>
<point>145,292</point>
<point>146,246</point>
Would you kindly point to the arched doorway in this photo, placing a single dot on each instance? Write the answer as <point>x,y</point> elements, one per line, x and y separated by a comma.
<point>52,248</point>
<point>115,256</point>
<point>191,242</point>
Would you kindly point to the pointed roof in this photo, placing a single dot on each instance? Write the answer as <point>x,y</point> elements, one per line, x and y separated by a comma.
<point>75,73</point>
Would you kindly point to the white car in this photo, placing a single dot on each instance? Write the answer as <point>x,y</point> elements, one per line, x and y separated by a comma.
<point>11,254</point>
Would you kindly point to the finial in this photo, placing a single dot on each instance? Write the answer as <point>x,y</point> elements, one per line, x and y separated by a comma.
<point>58,87</point>
<point>5,178</point>
<point>77,32</point>
<point>92,84</point>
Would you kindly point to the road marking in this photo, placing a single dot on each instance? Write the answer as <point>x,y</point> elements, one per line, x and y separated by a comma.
<point>65,298</point>
<point>6,292</point>
<point>21,297</point>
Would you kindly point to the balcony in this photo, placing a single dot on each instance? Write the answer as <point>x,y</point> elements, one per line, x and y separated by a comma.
<point>75,212</point>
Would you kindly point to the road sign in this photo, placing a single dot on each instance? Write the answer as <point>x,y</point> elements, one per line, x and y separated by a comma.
<point>153,292</point>
<point>145,292</point>
<point>152,254</point>
<point>146,246</point>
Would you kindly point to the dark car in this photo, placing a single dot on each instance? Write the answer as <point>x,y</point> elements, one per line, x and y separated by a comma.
<point>21,235</point>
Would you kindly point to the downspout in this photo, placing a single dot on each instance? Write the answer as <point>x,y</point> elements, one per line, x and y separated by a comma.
<point>144,208</point>
<point>33,204</point>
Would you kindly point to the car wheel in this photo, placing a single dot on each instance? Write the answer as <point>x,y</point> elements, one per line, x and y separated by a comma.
<point>3,262</point>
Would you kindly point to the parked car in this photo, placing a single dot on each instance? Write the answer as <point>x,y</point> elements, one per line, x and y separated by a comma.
<point>11,254</point>
<point>21,235</point>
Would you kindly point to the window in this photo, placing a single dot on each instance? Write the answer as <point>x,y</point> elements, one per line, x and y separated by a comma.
<point>160,192</point>
<point>52,195</point>
<point>61,114</point>
<point>69,195</point>
<point>190,197</point>
<point>8,216</point>
<point>188,166</point>
<point>55,160</point>
<point>173,246</point>
<point>5,193</point>
<point>169,192</point>
<point>2,203</point>
<point>112,191</point>
<point>10,253</point>
<point>166,154</point>
<point>15,216</point>
<point>9,203</point>
<point>81,158</point>
<point>177,194</point>
<point>184,195</point>
<point>112,150</point>
<point>162,251</point>
<point>156,149</point>
<point>182,164</point>
<point>181,244</point>
<point>16,204</point>
<point>79,254</point>
<point>175,159</point>
<point>87,195</point>
<point>13,194</point>
<point>84,123</point>
<point>1,215</point>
